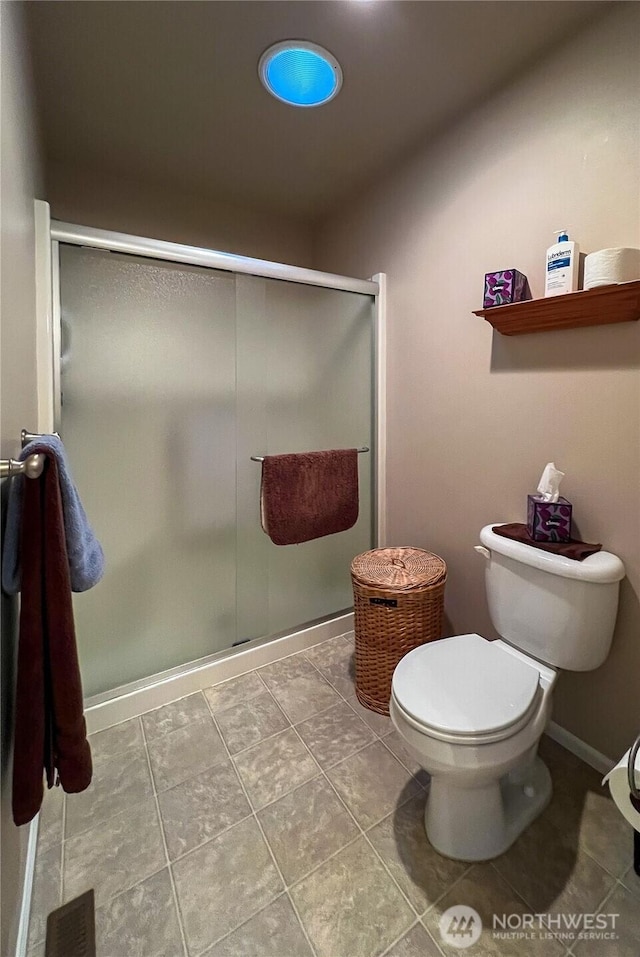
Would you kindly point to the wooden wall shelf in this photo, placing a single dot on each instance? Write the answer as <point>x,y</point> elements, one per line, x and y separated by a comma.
<point>591,307</point>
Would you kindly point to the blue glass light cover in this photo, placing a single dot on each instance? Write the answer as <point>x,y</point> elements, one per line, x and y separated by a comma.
<point>300,73</point>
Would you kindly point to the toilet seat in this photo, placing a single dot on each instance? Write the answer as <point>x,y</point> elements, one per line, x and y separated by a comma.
<point>466,690</point>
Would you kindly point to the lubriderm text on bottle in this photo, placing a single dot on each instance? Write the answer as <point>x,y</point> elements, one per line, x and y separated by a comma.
<point>561,275</point>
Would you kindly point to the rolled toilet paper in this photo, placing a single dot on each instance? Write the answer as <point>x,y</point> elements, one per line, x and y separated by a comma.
<point>618,781</point>
<point>609,266</point>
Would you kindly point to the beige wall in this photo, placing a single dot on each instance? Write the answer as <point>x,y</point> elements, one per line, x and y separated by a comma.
<point>474,416</point>
<point>19,185</point>
<point>88,198</point>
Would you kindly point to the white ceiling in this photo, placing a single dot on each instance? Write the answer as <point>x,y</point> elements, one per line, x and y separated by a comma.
<point>168,92</point>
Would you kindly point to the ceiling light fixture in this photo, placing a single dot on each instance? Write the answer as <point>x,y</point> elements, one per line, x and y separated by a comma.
<point>300,73</point>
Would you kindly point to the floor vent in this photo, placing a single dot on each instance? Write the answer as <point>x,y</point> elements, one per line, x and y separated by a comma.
<point>71,929</point>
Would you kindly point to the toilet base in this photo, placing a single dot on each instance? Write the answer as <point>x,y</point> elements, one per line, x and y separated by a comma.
<point>478,824</point>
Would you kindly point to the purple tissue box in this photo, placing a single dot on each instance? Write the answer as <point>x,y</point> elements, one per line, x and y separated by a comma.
<point>505,286</point>
<point>548,521</point>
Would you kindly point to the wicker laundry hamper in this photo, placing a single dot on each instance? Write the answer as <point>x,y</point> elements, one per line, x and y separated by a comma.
<point>398,597</point>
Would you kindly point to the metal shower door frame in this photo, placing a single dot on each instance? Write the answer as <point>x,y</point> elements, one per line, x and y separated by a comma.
<point>49,235</point>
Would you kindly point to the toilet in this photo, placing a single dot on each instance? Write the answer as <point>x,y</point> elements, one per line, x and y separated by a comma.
<point>472,711</point>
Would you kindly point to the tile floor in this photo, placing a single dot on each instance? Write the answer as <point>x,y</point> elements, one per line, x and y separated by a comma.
<point>273,816</point>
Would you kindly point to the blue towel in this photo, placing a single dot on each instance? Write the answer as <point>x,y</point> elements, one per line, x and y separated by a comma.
<point>86,558</point>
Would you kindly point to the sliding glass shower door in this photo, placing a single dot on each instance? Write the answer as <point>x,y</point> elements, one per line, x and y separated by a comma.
<point>172,377</point>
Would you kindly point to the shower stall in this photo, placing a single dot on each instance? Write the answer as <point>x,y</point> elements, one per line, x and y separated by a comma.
<point>171,367</point>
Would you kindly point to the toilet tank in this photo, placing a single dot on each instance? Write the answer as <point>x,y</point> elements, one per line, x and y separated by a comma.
<point>558,610</point>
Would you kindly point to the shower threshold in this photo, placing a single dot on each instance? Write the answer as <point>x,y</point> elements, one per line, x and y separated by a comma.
<point>136,697</point>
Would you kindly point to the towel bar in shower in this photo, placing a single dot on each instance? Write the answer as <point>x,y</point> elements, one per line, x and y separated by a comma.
<point>260,458</point>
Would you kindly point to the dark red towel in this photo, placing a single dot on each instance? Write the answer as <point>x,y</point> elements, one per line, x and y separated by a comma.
<point>50,729</point>
<point>309,494</point>
<point>572,549</point>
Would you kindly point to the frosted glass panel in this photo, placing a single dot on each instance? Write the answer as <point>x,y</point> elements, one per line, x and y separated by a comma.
<point>307,355</point>
<point>148,419</point>
<point>173,376</point>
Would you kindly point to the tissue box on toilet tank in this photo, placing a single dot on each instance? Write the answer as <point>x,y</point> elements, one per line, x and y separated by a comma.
<point>548,521</point>
<point>505,286</point>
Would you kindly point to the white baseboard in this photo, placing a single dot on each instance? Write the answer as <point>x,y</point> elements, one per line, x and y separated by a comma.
<point>580,748</point>
<point>27,889</point>
<point>129,701</point>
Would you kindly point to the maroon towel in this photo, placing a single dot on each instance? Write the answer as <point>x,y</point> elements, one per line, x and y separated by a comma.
<point>572,549</point>
<point>309,494</point>
<point>50,730</point>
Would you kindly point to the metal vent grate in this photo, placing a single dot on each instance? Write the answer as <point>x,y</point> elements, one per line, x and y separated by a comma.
<point>71,929</point>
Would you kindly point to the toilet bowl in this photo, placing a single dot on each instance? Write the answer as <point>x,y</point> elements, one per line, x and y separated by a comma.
<point>472,712</point>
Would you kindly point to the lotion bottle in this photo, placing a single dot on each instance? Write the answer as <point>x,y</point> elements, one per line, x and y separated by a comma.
<point>561,274</point>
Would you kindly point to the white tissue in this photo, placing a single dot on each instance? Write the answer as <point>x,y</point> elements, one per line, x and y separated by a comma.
<point>549,484</point>
<point>609,266</point>
<point>618,781</point>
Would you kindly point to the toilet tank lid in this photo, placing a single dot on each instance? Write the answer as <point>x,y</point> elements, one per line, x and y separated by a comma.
<point>603,567</point>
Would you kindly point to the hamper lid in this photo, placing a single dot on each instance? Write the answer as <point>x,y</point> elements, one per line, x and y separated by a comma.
<point>403,568</point>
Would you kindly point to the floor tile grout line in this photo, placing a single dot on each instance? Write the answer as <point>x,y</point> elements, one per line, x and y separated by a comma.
<point>618,881</point>
<point>326,680</point>
<point>155,794</point>
<point>436,943</point>
<point>266,738</point>
<point>393,943</point>
<point>387,869</point>
<point>335,687</point>
<point>417,923</point>
<point>191,723</point>
<point>332,767</point>
<point>264,807</point>
<point>307,717</point>
<point>628,873</point>
<point>103,821</point>
<point>174,893</point>
<point>268,846</point>
<point>606,897</point>
<point>291,723</point>
<point>599,863</point>
<point>596,910</point>
<point>398,758</point>
<point>509,884</point>
<point>364,835</point>
<point>322,711</point>
<point>100,824</point>
<point>316,867</point>
<point>321,773</point>
<point>533,909</point>
<point>203,953</point>
<point>294,908</point>
<point>214,837</point>
<point>334,789</point>
<point>519,894</point>
<point>229,707</point>
<point>441,896</point>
